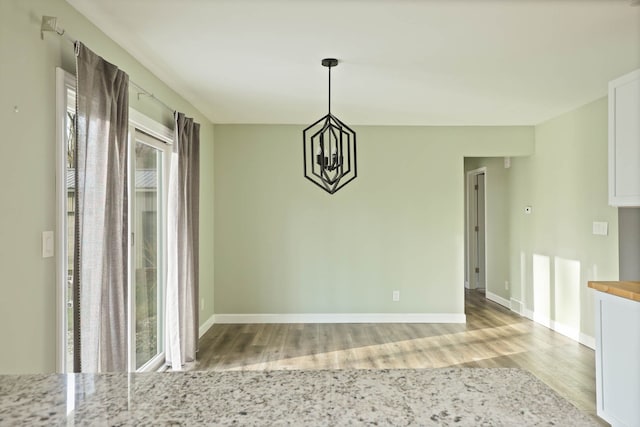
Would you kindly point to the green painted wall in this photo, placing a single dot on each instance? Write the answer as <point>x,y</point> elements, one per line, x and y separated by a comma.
<point>285,246</point>
<point>553,250</point>
<point>552,253</point>
<point>27,171</point>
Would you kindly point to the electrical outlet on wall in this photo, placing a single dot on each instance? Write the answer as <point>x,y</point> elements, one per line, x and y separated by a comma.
<point>506,285</point>
<point>201,303</point>
<point>396,295</point>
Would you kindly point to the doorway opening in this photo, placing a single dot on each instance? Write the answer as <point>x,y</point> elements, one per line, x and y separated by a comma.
<point>475,226</point>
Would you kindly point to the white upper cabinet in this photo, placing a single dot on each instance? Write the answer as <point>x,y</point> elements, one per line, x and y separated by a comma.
<point>624,140</point>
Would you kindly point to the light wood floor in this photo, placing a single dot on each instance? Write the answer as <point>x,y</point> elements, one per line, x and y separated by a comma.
<point>492,337</point>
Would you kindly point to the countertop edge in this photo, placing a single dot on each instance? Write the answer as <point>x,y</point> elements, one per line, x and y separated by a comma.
<point>624,289</point>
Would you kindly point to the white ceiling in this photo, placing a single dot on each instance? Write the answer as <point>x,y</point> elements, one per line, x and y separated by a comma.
<point>402,62</point>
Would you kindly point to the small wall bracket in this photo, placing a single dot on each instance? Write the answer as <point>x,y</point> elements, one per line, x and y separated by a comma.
<point>49,23</point>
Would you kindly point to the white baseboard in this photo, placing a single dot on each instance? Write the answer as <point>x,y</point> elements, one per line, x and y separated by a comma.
<point>343,318</point>
<point>206,326</point>
<point>567,331</point>
<point>527,313</point>
<point>587,340</point>
<point>517,306</point>
<point>498,299</point>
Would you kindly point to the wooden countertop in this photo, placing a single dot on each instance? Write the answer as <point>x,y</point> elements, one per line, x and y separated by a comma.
<point>628,290</point>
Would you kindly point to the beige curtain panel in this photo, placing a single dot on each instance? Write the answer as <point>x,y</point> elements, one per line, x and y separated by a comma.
<point>101,227</point>
<point>182,242</point>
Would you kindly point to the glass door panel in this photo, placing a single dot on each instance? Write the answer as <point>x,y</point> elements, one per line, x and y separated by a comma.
<point>147,244</point>
<point>70,208</point>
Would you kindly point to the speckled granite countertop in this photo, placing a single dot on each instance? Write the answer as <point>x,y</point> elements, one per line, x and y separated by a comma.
<point>461,397</point>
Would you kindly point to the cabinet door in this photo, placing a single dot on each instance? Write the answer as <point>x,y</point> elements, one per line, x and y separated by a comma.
<point>624,140</point>
<point>617,355</point>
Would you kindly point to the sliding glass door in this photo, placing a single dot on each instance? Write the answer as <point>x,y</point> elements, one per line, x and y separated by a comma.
<point>149,148</point>
<point>148,241</point>
<point>66,99</point>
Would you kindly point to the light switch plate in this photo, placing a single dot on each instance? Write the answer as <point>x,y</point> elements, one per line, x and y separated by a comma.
<point>600,228</point>
<point>47,244</point>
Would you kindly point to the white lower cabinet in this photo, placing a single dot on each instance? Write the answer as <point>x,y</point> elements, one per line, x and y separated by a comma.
<point>618,360</point>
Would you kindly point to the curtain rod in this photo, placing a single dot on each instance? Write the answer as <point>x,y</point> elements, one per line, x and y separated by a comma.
<point>49,24</point>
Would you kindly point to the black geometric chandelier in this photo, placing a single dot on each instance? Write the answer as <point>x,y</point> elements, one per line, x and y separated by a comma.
<point>329,148</point>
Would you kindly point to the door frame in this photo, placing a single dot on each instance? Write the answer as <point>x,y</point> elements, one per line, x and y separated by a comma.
<point>64,81</point>
<point>164,136</point>
<point>470,219</point>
